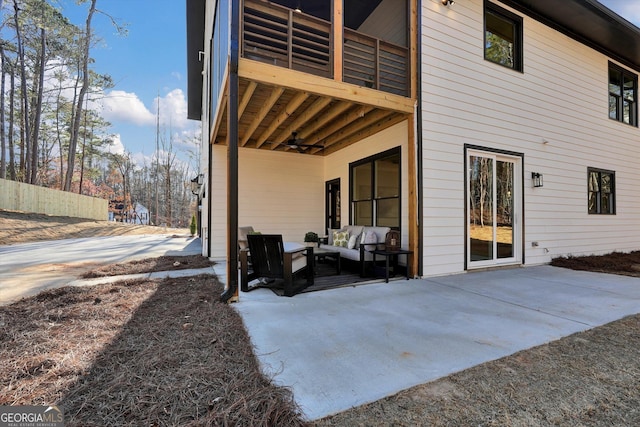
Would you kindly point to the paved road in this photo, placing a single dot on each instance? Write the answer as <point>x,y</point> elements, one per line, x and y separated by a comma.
<point>27,269</point>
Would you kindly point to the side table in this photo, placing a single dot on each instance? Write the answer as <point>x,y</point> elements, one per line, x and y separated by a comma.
<point>391,254</point>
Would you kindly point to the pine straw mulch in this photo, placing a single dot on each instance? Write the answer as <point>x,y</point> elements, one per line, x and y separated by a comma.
<point>146,352</point>
<point>627,264</point>
<point>149,265</point>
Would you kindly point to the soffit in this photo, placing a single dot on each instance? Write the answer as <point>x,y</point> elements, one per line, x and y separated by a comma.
<point>269,114</point>
<point>589,22</point>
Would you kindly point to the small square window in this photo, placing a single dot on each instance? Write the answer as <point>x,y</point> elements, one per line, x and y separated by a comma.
<point>502,37</point>
<point>601,190</point>
<point>623,95</point>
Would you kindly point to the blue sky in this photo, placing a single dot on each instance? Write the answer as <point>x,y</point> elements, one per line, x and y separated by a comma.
<point>149,65</point>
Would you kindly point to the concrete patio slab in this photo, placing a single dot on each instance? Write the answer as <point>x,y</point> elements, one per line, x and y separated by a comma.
<point>346,347</point>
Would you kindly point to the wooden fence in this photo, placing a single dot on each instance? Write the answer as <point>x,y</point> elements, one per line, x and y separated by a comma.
<point>18,196</point>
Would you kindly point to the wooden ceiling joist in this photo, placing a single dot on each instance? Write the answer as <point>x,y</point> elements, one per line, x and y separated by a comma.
<point>276,92</point>
<point>355,126</point>
<point>319,121</point>
<point>275,102</point>
<point>246,97</point>
<point>336,125</point>
<point>304,117</point>
<point>366,132</point>
<point>286,112</point>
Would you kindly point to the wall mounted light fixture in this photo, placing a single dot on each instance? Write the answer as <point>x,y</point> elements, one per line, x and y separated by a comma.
<point>536,178</point>
<point>447,2</point>
<point>196,183</point>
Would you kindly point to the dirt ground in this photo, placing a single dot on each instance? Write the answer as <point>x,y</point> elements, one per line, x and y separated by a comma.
<point>166,352</point>
<point>19,227</point>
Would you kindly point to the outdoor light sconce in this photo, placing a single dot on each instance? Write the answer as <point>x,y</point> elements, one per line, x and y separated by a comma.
<point>196,183</point>
<point>536,177</point>
<point>447,2</point>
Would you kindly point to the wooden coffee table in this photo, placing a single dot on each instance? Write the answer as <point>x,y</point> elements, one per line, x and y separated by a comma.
<point>323,252</point>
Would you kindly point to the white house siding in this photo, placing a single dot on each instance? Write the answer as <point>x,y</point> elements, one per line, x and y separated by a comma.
<point>561,97</point>
<point>336,165</point>
<point>284,193</point>
<point>279,193</point>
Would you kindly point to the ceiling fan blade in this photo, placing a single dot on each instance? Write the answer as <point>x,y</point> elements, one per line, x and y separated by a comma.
<point>313,146</point>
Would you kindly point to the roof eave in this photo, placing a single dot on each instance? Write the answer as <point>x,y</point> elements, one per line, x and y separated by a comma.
<point>590,23</point>
<point>195,45</point>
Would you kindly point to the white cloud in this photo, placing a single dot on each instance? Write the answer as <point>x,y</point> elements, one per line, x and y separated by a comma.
<point>173,110</point>
<point>116,146</point>
<point>119,105</point>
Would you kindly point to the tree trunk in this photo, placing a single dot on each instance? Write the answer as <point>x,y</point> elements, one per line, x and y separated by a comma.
<point>12,154</point>
<point>24,134</point>
<point>3,142</point>
<point>73,143</point>
<point>38,111</point>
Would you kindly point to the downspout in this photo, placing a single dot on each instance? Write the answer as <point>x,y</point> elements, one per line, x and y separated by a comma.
<point>419,144</point>
<point>231,289</point>
<point>209,197</point>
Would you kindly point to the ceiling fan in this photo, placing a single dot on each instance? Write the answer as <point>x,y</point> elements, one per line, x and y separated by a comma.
<point>296,143</point>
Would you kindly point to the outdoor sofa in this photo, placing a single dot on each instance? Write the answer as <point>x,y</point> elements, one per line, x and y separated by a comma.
<point>355,243</point>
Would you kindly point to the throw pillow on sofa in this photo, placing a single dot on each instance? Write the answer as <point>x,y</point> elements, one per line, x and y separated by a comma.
<point>340,238</point>
<point>369,241</point>
<point>352,242</point>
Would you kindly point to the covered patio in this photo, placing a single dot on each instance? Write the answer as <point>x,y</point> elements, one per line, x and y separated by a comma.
<point>307,92</point>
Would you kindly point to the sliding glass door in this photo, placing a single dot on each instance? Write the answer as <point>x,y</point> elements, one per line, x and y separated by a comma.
<point>494,233</point>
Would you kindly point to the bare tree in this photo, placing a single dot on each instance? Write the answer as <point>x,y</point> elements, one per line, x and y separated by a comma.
<point>73,143</point>
<point>23,84</point>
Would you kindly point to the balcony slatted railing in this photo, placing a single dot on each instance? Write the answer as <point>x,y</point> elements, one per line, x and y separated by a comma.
<point>279,36</point>
<point>374,63</point>
<point>282,37</point>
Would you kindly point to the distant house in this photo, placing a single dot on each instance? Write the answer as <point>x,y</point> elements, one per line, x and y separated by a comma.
<point>119,212</point>
<point>488,133</point>
<point>139,215</point>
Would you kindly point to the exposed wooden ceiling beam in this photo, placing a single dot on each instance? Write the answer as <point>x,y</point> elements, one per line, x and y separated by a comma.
<point>298,80</point>
<point>246,97</point>
<point>286,112</point>
<point>366,132</point>
<point>276,93</point>
<point>304,117</point>
<point>343,121</point>
<point>353,127</point>
<point>315,124</point>
<point>216,126</point>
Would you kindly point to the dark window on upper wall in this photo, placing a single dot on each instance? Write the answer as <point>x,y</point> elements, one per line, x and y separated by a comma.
<point>502,37</point>
<point>601,186</point>
<point>623,95</point>
<point>375,190</point>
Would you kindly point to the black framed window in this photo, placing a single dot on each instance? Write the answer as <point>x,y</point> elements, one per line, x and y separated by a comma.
<point>502,37</point>
<point>375,190</point>
<point>623,95</point>
<point>602,186</point>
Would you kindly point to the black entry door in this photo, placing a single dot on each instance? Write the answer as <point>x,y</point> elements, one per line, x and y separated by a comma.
<point>333,204</point>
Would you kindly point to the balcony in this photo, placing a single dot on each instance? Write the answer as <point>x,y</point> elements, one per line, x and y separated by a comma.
<point>280,36</point>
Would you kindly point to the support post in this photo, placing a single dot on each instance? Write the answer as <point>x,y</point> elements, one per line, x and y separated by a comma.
<point>231,291</point>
